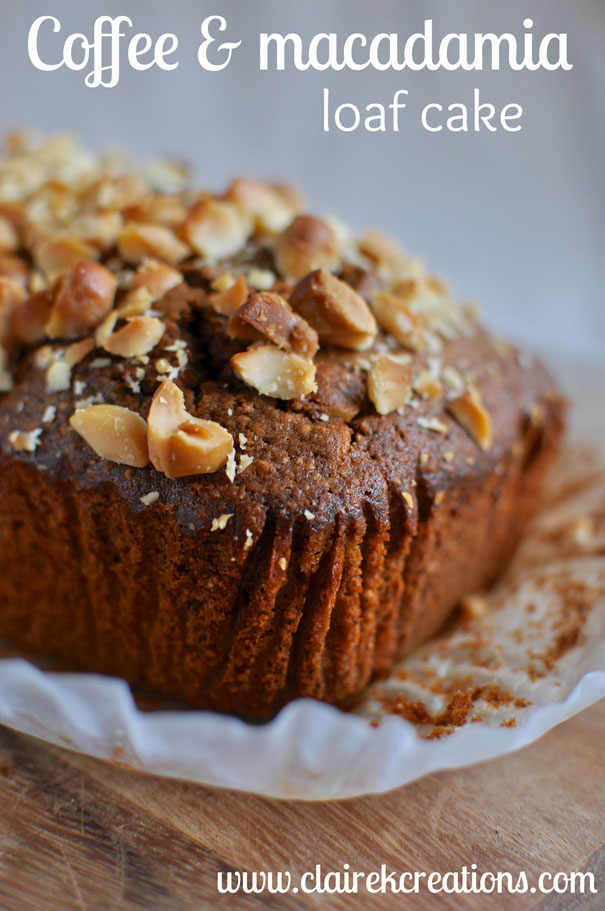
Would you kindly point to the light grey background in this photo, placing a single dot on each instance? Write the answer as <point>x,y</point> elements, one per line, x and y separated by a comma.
<point>516,220</point>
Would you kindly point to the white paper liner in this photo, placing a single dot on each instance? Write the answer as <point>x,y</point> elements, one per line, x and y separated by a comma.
<point>315,751</point>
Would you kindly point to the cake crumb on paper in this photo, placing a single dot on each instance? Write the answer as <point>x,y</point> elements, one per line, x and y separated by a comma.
<point>517,645</point>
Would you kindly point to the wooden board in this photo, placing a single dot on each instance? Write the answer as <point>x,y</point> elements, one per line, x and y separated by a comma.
<point>77,833</point>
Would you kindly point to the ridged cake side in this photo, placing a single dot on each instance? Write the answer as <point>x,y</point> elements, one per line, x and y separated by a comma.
<point>311,594</point>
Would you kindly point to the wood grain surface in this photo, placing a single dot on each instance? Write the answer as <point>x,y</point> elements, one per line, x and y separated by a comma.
<point>77,833</point>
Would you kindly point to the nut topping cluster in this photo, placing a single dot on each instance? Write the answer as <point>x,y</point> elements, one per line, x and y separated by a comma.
<point>92,251</point>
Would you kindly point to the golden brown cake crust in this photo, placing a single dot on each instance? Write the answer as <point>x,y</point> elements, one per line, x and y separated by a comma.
<point>335,540</point>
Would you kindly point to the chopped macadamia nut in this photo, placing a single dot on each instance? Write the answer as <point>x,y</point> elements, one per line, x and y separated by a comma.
<point>12,296</point>
<point>180,444</point>
<point>139,241</point>
<point>77,351</point>
<point>261,279</point>
<point>48,210</point>
<point>269,316</point>
<point>221,522</point>
<point>38,281</point>
<point>150,498</point>
<point>382,249</point>
<point>436,285</point>
<point>224,281</point>
<point>89,400</point>
<point>291,195</point>
<point>244,462</point>
<point>160,209</point>
<point>119,191</point>
<point>536,414</point>
<point>156,277</point>
<point>433,424</point>
<point>395,318</point>
<point>57,255</point>
<point>228,301</point>
<point>9,238</point>
<point>139,336</point>
<point>409,499</point>
<point>470,412</point>
<point>163,365</point>
<point>114,433</point>
<point>339,315</point>
<point>101,229</point>
<point>136,302</point>
<point>82,299</point>
<point>58,377</point>
<point>59,364</point>
<point>427,385</point>
<point>105,328</point>
<point>230,466</point>
<point>277,373</point>
<point>452,379</point>
<point>269,206</point>
<point>25,441</point>
<point>13,267</point>
<point>216,229</point>
<point>306,244</point>
<point>29,318</point>
<point>389,384</point>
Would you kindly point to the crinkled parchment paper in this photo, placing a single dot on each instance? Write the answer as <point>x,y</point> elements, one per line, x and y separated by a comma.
<point>517,662</point>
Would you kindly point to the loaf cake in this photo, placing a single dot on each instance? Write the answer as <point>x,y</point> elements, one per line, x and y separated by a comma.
<point>245,456</point>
